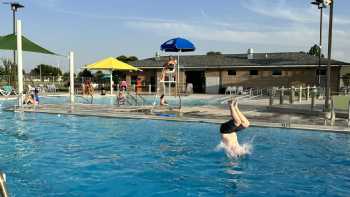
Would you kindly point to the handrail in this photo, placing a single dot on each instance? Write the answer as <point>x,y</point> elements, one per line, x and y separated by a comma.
<point>3,187</point>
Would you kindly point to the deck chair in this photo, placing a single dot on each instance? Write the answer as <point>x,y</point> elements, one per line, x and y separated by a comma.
<point>228,90</point>
<point>7,90</point>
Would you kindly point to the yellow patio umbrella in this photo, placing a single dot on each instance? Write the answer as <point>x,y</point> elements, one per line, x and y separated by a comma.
<point>111,64</point>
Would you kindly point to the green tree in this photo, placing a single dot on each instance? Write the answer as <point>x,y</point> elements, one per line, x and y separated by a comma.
<point>315,51</point>
<point>214,53</point>
<point>99,76</point>
<point>10,70</point>
<point>85,73</point>
<point>126,59</point>
<point>46,70</point>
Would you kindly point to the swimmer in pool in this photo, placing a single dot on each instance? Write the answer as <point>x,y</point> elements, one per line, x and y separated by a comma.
<point>228,129</point>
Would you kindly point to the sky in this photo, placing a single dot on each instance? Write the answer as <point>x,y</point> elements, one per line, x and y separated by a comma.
<point>98,29</point>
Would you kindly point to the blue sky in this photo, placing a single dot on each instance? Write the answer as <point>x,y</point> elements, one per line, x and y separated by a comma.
<point>98,29</point>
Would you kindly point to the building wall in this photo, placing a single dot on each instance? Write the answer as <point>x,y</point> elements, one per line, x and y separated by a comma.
<point>218,79</point>
<point>264,79</point>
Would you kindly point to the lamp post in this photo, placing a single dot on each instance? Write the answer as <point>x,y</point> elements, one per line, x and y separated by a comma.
<point>320,4</point>
<point>330,32</point>
<point>14,7</point>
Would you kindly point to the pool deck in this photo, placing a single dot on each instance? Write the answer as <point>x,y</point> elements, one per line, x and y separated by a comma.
<point>256,111</point>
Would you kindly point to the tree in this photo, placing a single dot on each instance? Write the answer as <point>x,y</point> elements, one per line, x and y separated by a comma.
<point>126,59</point>
<point>85,73</point>
<point>214,53</point>
<point>99,76</point>
<point>346,79</point>
<point>315,51</point>
<point>10,70</point>
<point>46,70</point>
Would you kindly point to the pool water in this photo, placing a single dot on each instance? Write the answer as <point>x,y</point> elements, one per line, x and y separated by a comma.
<point>63,155</point>
<point>148,100</point>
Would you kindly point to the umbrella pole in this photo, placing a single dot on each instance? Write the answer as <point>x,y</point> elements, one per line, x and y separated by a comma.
<point>19,63</point>
<point>111,82</point>
<point>178,74</point>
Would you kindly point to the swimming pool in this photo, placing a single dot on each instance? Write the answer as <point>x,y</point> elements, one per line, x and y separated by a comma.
<point>57,155</point>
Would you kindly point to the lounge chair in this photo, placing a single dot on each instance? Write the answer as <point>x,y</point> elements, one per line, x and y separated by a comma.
<point>240,90</point>
<point>229,90</point>
<point>51,88</point>
<point>7,90</point>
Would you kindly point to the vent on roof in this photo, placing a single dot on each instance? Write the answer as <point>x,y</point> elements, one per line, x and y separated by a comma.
<point>157,56</point>
<point>250,54</point>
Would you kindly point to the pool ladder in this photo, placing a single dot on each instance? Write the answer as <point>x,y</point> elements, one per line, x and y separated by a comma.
<point>3,185</point>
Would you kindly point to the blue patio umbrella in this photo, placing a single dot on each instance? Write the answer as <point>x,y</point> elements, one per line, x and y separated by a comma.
<point>177,45</point>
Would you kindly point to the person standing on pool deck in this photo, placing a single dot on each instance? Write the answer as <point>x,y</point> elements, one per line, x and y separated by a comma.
<point>162,101</point>
<point>228,129</point>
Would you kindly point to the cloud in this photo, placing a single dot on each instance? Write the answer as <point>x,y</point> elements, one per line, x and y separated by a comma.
<point>282,10</point>
<point>299,37</point>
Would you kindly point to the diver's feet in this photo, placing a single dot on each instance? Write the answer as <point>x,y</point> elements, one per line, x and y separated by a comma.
<point>233,102</point>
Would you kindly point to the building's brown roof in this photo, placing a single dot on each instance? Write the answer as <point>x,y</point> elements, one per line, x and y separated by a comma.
<point>289,59</point>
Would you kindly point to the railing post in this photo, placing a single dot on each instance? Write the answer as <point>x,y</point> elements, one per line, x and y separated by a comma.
<point>149,89</point>
<point>281,95</point>
<point>307,92</point>
<point>271,97</point>
<point>291,95</point>
<point>300,93</point>
<point>332,112</point>
<point>349,113</point>
<point>313,97</point>
<point>3,188</point>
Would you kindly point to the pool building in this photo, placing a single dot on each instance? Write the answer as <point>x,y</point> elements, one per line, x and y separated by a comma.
<point>213,73</point>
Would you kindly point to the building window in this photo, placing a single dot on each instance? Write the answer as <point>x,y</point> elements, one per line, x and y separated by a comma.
<point>276,72</point>
<point>253,72</point>
<point>321,72</point>
<point>231,72</point>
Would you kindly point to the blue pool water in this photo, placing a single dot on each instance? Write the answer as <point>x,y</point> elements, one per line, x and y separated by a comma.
<point>53,155</point>
<point>148,100</point>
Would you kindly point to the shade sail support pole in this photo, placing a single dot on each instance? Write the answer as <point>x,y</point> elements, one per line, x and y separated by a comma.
<point>111,81</point>
<point>19,63</point>
<point>71,77</point>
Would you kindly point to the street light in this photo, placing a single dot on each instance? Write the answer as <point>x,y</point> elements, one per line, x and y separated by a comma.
<point>330,32</point>
<point>14,7</point>
<point>320,4</point>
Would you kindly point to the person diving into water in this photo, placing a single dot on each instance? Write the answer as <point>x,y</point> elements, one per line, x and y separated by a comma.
<point>228,130</point>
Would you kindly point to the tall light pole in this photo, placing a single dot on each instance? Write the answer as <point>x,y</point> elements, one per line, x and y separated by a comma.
<point>14,7</point>
<point>320,4</point>
<point>330,32</point>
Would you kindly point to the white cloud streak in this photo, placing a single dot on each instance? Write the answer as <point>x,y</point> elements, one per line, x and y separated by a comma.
<point>283,10</point>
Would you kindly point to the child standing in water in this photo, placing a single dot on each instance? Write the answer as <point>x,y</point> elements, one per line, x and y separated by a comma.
<point>228,130</point>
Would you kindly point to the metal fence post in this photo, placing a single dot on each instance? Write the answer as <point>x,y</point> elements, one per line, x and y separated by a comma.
<point>271,97</point>
<point>313,97</point>
<point>149,88</point>
<point>300,93</point>
<point>291,95</point>
<point>349,113</point>
<point>307,92</point>
<point>281,95</point>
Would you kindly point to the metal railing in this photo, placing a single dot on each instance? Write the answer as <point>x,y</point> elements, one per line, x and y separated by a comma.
<point>3,187</point>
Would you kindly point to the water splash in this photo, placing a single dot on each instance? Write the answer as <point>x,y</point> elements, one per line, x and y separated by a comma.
<point>235,152</point>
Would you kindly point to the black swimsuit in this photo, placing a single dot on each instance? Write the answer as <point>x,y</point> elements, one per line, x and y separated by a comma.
<point>230,127</point>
